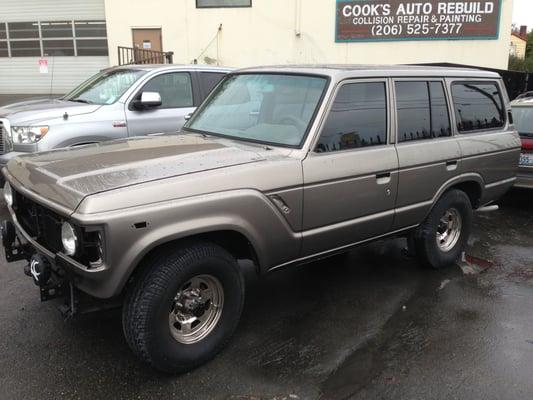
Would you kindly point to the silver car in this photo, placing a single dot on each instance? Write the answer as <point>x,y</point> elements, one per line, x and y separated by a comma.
<point>116,103</point>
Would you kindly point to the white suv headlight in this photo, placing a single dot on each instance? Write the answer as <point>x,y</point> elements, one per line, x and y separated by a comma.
<point>28,134</point>
<point>8,194</point>
<point>69,239</point>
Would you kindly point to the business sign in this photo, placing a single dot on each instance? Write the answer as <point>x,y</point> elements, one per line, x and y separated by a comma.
<point>368,20</point>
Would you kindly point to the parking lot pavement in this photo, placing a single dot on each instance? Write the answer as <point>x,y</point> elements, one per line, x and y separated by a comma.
<point>368,325</point>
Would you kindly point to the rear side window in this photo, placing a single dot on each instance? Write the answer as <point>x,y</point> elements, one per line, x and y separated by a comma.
<point>358,118</point>
<point>422,111</point>
<point>478,106</point>
<point>210,80</point>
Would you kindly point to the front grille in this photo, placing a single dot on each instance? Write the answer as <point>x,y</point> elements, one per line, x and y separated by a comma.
<point>3,134</point>
<point>43,225</point>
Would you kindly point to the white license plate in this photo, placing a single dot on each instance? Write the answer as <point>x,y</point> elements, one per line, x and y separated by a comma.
<point>526,159</point>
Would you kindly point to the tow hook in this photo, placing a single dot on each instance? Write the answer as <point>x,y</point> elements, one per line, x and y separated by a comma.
<point>39,269</point>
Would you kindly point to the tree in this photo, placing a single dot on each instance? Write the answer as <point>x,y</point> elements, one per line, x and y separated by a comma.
<point>529,45</point>
<point>517,64</point>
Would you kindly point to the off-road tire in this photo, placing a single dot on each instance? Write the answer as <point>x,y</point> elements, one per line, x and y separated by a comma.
<point>424,238</point>
<point>147,305</point>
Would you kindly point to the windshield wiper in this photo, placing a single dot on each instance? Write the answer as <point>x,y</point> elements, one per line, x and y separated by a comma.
<point>196,131</point>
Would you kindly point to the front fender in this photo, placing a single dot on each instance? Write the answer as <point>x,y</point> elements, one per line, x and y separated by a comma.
<point>248,212</point>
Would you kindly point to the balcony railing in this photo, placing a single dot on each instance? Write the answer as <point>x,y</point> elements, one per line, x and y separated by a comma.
<point>131,55</point>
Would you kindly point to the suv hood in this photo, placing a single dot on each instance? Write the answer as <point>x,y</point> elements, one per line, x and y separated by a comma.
<point>34,111</point>
<point>67,176</point>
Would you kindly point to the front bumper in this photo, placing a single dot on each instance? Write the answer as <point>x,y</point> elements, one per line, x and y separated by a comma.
<point>69,270</point>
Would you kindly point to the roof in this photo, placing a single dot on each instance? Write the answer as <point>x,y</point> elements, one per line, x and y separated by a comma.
<point>527,102</point>
<point>361,70</point>
<point>517,34</point>
<point>153,67</point>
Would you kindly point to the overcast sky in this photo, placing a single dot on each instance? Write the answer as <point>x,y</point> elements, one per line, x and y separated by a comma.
<point>523,13</point>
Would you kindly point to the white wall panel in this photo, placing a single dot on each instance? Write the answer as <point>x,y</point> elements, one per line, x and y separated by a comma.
<point>21,75</point>
<point>43,10</point>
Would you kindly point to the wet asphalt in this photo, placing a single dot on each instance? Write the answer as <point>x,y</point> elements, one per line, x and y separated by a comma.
<point>368,325</point>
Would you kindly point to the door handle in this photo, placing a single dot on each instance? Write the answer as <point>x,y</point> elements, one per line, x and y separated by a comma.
<point>451,165</point>
<point>384,178</point>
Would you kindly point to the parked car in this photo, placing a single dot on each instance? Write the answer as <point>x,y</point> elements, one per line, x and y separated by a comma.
<point>282,166</point>
<point>523,118</point>
<point>525,95</point>
<point>116,103</point>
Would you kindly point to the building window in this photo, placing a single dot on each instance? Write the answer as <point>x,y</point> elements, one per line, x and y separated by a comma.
<point>91,29</point>
<point>4,51</point>
<point>478,106</point>
<point>58,47</point>
<point>222,3</point>
<point>23,30</point>
<point>3,31</point>
<point>25,48</point>
<point>56,29</point>
<point>91,47</point>
<point>53,38</point>
<point>358,118</point>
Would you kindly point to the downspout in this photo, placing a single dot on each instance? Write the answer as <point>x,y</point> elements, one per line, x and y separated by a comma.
<point>298,17</point>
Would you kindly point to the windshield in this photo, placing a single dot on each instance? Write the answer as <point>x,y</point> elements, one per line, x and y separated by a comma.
<point>523,120</point>
<point>105,87</point>
<point>265,108</point>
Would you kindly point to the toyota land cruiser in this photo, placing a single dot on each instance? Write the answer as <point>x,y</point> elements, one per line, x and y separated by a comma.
<point>280,165</point>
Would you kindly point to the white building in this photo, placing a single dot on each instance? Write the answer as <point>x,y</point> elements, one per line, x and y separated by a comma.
<point>251,32</point>
<point>50,46</point>
<point>72,38</point>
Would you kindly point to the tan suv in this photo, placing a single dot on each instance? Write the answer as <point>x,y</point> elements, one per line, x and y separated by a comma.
<point>282,166</point>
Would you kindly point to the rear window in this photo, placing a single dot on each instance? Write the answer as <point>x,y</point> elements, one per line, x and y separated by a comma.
<point>523,120</point>
<point>478,106</point>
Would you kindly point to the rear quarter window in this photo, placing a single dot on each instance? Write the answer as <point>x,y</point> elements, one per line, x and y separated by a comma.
<point>478,106</point>
<point>210,80</point>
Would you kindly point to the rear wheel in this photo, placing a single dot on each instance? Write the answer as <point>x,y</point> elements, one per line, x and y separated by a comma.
<point>442,237</point>
<point>185,307</point>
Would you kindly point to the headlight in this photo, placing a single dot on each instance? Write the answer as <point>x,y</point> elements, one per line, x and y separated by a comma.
<point>28,134</point>
<point>8,194</point>
<point>69,239</point>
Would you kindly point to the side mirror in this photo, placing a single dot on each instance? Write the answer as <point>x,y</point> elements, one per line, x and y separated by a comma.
<point>148,100</point>
<point>188,117</point>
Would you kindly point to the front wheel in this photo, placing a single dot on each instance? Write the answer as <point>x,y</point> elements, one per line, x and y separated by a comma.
<point>185,307</point>
<point>442,237</point>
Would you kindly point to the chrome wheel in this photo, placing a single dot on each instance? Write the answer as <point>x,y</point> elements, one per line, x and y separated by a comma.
<point>449,230</point>
<point>196,309</point>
